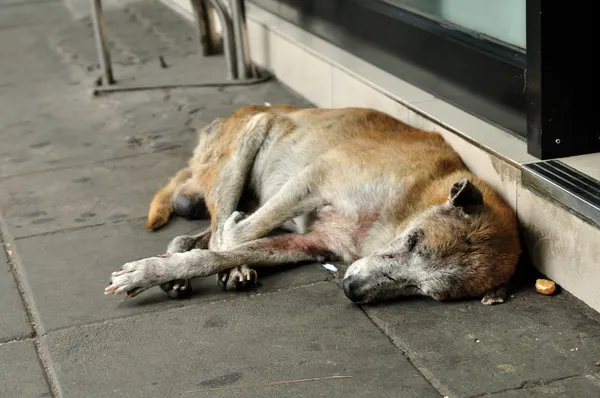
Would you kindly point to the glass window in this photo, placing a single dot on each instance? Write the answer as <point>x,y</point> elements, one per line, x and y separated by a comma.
<point>503,20</point>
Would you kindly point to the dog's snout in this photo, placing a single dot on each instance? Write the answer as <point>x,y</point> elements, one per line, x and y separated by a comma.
<point>351,289</point>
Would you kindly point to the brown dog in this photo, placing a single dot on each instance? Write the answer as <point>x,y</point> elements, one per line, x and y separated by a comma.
<point>351,184</point>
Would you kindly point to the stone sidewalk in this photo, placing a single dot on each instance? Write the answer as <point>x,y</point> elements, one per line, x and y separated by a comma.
<point>76,177</point>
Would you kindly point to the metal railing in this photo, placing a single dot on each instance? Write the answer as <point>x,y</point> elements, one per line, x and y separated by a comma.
<point>239,68</point>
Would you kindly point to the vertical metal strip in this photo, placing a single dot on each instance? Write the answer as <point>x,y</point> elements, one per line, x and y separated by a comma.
<point>102,43</point>
<point>228,39</point>
<point>244,63</point>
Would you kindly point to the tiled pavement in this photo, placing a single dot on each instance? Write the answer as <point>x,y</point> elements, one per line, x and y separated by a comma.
<point>76,175</point>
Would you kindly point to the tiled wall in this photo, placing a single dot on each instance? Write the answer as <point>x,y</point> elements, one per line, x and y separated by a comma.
<point>562,246</point>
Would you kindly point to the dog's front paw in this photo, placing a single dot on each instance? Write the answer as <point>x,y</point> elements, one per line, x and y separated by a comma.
<point>237,278</point>
<point>137,276</point>
<point>177,289</point>
<point>495,296</point>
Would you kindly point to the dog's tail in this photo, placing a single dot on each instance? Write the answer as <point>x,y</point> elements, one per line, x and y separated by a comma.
<point>161,207</point>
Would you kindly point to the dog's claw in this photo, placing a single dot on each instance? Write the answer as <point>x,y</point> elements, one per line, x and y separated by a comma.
<point>109,290</point>
<point>130,294</point>
<point>117,273</point>
<point>177,289</point>
<point>136,277</point>
<point>237,278</point>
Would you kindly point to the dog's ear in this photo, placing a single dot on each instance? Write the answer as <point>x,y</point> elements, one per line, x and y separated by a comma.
<point>465,195</point>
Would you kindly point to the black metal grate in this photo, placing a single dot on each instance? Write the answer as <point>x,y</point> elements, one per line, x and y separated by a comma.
<point>578,192</point>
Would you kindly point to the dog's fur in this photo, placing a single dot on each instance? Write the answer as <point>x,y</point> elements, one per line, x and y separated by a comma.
<point>360,186</point>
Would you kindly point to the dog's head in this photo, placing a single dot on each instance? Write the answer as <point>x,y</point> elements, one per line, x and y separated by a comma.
<point>460,248</point>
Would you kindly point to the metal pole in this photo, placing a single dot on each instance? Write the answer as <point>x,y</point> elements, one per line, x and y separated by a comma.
<point>102,42</point>
<point>205,27</point>
<point>244,63</point>
<point>202,25</point>
<point>228,40</point>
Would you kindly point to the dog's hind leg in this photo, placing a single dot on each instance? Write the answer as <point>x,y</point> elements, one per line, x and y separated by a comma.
<point>224,195</point>
<point>298,196</point>
<point>231,182</point>
<point>232,177</point>
<point>137,276</point>
<point>186,243</point>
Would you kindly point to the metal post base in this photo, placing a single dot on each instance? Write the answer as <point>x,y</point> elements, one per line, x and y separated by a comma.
<point>115,88</point>
<point>239,72</point>
<point>102,42</point>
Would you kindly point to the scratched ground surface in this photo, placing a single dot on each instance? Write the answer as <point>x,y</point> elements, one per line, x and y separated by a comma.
<point>76,176</point>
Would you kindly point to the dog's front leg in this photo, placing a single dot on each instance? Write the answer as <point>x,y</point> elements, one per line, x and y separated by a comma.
<point>140,275</point>
<point>181,288</point>
<point>137,276</point>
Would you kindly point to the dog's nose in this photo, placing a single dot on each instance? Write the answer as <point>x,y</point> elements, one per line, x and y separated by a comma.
<point>351,289</point>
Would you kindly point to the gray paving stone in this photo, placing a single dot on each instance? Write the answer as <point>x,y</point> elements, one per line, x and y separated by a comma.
<point>471,349</point>
<point>93,194</point>
<point>180,35</point>
<point>86,129</point>
<point>241,345</point>
<point>81,8</point>
<point>583,386</point>
<point>26,56</point>
<point>34,100</point>
<point>30,61</point>
<point>140,35</point>
<point>273,92</point>
<point>20,371</point>
<point>135,35</point>
<point>67,272</point>
<point>14,322</point>
<point>15,14</point>
<point>57,139</point>
<point>162,111</point>
<point>180,70</point>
